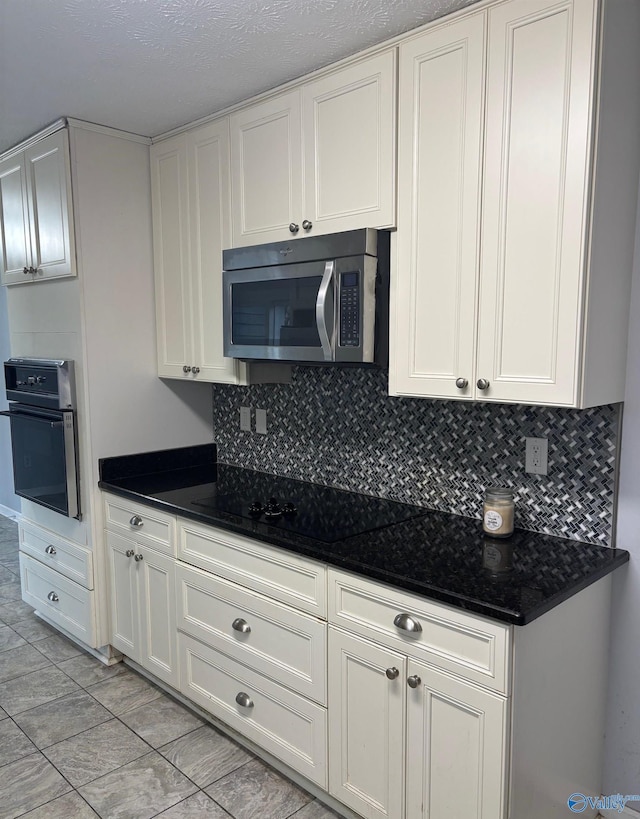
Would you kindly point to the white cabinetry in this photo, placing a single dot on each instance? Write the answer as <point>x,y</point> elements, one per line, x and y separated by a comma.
<point>439,742</point>
<point>246,655</point>
<point>142,597</point>
<point>317,159</point>
<point>509,196</point>
<point>191,227</point>
<point>36,225</point>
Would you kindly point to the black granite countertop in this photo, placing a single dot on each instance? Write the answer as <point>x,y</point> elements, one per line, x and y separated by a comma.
<point>443,557</point>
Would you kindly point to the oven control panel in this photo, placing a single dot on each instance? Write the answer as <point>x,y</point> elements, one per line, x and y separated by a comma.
<point>40,382</point>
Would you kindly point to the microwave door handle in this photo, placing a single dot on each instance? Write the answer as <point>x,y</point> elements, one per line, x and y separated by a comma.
<point>321,316</point>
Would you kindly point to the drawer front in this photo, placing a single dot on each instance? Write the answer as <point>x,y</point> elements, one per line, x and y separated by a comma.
<point>473,647</point>
<point>271,638</point>
<point>278,574</point>
<point>69,559</point>
<point>64,602</point>
<point>141,523</point>
<point>283,723</point>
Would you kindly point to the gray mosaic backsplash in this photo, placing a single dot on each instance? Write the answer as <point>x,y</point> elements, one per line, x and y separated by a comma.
<point>339,427</point>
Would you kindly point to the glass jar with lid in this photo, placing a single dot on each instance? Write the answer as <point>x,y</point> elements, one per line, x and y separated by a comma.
<point>498,512</point>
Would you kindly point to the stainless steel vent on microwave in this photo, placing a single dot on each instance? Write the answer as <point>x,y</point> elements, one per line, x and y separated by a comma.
<point>321,299</point>
<point>41,393</point>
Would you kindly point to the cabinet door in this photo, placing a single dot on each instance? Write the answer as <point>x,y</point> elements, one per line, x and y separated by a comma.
<point>456,748</point>
<point>210,234</point>
<point>49,197</point>
<point>155,582</point>
<point>14,220</point>
<point>366,729</point>
<point>169,195</point>
<point>348,131</point>
<point>540,85</point>
<point>124,595</point>
<point>266,175</point>
<point>439,175</point>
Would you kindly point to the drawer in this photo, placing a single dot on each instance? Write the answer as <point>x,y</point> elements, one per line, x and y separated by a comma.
<point>64,602</point>
<point>287,725</point>
<point>69,559</point>
<point>271,638</point>
<point>141,523</point>
<point>471,646</point>
<point>283,576</point>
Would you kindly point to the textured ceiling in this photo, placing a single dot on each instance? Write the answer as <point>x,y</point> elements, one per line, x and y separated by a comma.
<point>147,66</point>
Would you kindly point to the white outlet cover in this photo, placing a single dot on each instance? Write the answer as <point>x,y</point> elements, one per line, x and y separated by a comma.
<point>537,450</point>
<point>261,421</point>
<point>245,419</point>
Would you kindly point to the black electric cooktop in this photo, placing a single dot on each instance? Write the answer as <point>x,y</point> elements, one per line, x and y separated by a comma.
<point>310,510</point>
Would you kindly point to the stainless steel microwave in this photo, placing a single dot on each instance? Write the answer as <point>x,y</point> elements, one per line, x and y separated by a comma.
<point>320,299</point>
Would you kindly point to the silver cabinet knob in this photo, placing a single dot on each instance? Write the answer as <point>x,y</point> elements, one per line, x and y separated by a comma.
<point>26,270</point>
<point>392,673</point>
<point>294,228</point>
<point>50,550</point>
<point>195,370</point>
<point>414,681</point>
<point>129,553</point>
<point>461,383</point>
<point>137,558</point>
<point>244,700</point>
<point>407,623</point>
<point>137,521</point>
<point>307,225</point>
<point>241,625</point>
<point>33,270</point>
<point>53,597</point>
<point>482,384</point>
<point>186,368</point>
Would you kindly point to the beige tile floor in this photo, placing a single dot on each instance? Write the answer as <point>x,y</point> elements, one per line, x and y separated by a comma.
<point>79,739</point>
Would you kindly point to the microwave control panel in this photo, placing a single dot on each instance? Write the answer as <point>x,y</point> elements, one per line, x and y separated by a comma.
<point>350,309</point>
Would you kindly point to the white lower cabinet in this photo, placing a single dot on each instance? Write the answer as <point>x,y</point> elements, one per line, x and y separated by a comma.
<point>408,739</point>
<point>65,603</point>
<point>397,706</point>
<point>143,612</point>
<point>289,726</point>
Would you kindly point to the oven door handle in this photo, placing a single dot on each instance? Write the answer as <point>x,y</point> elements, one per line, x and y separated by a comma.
<point>30,417</point>
<point>321,311</point>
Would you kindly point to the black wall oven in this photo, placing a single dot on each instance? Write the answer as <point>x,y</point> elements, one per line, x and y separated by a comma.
<point>42,413</point>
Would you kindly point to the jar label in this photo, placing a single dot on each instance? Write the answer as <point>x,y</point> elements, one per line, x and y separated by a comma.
<point>492,520</point>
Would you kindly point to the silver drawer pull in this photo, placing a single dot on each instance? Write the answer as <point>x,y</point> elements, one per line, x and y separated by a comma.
<point>137,558</point>
<point>129,553</point>
<point>241,625</point>
<point>136,520</point>
<point>414,681</point>
<point>50,550</point>
<point>244,700</point>
<point>392,673</point>
<point>53,597</point>
<point>407,623</point>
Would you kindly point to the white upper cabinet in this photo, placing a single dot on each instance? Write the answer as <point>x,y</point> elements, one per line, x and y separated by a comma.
<point>35,212</point>
<point>439,176</point>
<point>317,159</point>
<point>191,212</point>
<point>514,254</point>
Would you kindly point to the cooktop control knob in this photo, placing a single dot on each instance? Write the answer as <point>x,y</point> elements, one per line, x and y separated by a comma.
<point>256,509</point>
<point>272,509</point>
<point>289,510</point>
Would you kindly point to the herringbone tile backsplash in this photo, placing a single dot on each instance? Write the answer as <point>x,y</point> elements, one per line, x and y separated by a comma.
<point>339,427</point>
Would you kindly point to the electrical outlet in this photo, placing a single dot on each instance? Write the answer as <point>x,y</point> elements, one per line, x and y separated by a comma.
<point>536,456</point>
<point>261,421</point>
<point>245,419</point>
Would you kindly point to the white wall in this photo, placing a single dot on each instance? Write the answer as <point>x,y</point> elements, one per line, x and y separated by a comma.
<point>622,743</point>
<point>7,496</point>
